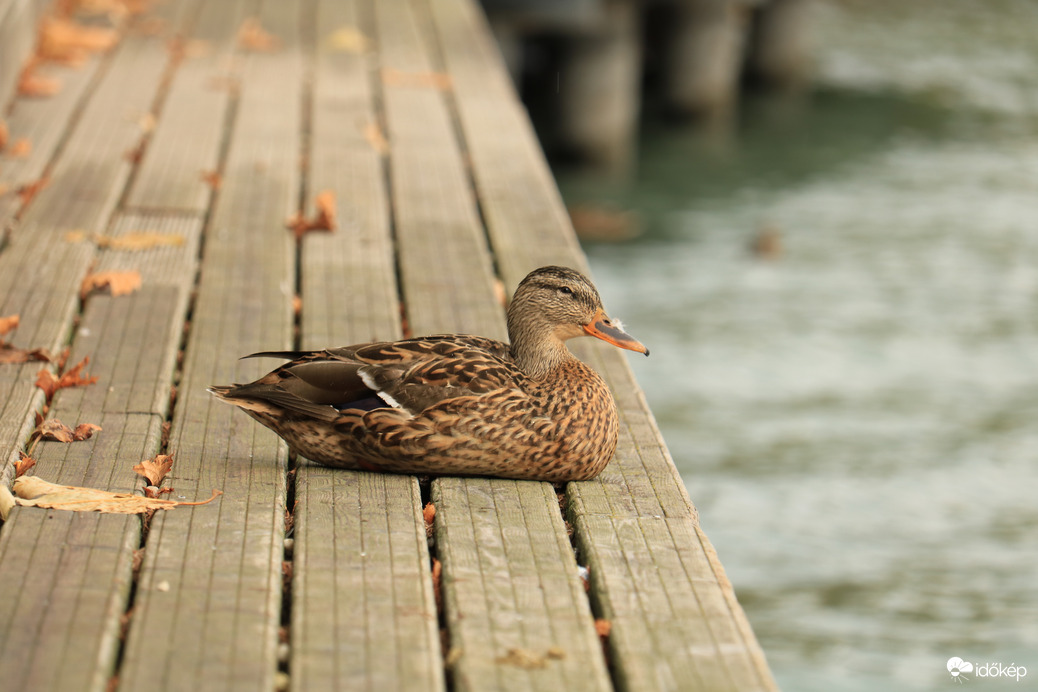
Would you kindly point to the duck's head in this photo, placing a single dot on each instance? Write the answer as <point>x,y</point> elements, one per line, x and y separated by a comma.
<point>553,304</point>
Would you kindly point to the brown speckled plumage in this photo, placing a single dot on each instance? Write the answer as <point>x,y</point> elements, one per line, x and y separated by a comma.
<point>455,404</point>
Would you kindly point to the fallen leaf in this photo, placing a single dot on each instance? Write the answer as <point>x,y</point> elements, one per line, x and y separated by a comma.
<point>603,627</point>
<point>32,85</point>
<point>138,240</point>
<point>349,39</point>
<point>4,135</point>
<point>53,429</point>
<point>32,491</point>
<point>28,191</point>
<point>9,324</point>
<point>212,179</point>
<point>429,514</point>
<point>20,148</point>
<point>84,431</point>
<point>529,660</point>
<point>253,37</point>
<point>437,573</point>
<point>418,80</point>
<point>10,354</point>
<point>373,134</point>
<point>323,221</point>
<point>65,40</point>
<point>155,469</point>
<point>50,384</point>
<point>24,463</point>
<point>119,283</point>
<point>155,491</point>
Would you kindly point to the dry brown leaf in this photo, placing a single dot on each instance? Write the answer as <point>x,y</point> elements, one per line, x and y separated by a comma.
<point>373,135</point>
<point>50,384</point>
<point>138,240</point>
<point>253,37</point>
<point>9,324</point>
<point>20,148</point>
<point>155,469</point>
<point>32,491</point>
<point>119,283</point>
<point>5,134</point>
<point>53,429</point>
<point>437,574</point>
<point>7,502</point>
<point>84,431</point>
<point>429,514</point>
<point>32,85</point>
<point>28,191</point>
<point>323,221</point>
<point>65,40</point>
<point>603,627</point>
<point>212,179</point>
<point>417,80</point>
<point>24,463</point>
<point>10,354</point>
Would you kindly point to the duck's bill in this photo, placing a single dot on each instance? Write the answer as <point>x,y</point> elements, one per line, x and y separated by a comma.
<point>603,328</point>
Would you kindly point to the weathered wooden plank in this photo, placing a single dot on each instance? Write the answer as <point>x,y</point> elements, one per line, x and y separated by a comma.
<point>447,282</point>
<point>72,571</point>
<point>528,227</point>
<point>18,19</point>
<point>363,614</point>
<point>516,610</point>
<point>69,573</point>
<point>39,272</point>
<point>189,134</point>
<point>209,597</point>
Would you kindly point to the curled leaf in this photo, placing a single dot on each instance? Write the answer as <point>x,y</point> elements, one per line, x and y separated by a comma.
<point>155,469</point>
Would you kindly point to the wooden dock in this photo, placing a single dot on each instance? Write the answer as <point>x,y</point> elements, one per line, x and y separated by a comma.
<point>300,577</point>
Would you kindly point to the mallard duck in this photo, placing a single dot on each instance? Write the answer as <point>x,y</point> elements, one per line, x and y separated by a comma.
<point>455,404</point>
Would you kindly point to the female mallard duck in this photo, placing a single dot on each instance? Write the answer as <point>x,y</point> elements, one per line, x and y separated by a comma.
<point>455,404</point>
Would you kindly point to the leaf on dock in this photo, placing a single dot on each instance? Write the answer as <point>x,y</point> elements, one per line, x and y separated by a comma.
<point>119,283</point>
<point>5,134</point>
<point>32,491</point>
<point>324,220</point>
<point>28,191</point>
<point>348,39</point>
<point>373,135</point>
<point>32,85</point>
<point>24,463</point>
<point>50,384</point>
<point>154,470</point>
<point>12,354</point>
<point>253,37</point>
<point>54,429</point>
<point>138,240</point>
<point>67,41</point>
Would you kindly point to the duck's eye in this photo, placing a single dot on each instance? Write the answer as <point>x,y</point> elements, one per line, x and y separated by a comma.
<point>566,291</point>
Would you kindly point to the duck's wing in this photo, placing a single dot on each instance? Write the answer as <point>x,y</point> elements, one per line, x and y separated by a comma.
<point>412,375</point>
<point>417,373</point>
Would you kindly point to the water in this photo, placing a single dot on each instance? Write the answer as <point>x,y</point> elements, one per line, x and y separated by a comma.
<point>856,418</point>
